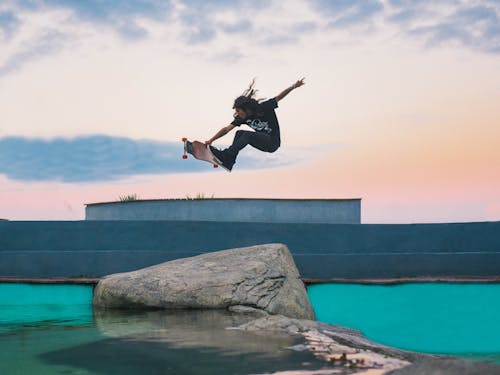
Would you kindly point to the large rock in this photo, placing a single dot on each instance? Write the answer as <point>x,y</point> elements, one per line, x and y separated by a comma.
<point>264,277</point>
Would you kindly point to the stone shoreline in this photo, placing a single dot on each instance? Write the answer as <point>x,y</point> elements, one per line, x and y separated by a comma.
<point>262,283</point>
<point>347,351</point>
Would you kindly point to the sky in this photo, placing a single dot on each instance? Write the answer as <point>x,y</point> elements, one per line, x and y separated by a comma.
<point>400,106</point>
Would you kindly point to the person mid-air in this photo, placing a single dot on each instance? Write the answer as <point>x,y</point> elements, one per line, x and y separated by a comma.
<point>260,116</point>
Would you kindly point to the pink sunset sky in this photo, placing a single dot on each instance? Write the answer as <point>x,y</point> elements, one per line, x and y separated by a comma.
<point>400,107</point>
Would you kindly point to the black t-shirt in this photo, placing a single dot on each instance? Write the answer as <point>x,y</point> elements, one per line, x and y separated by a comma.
<point>267,123</point>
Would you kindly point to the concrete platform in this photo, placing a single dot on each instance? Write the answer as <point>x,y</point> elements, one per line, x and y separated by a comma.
<point>313,211</point>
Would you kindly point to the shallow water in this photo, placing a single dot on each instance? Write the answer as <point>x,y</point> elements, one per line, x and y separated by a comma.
<point>52,329</point>
<point>45,338</point>
<point>458,319</point>
<point>38,305</point>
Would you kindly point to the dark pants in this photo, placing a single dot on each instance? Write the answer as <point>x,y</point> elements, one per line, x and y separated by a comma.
<point>260,141</point>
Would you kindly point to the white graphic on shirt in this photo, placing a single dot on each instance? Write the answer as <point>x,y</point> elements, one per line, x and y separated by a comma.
<point>258,125</point>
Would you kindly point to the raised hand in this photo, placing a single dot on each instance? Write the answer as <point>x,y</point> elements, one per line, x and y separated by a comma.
<point>299,83</point>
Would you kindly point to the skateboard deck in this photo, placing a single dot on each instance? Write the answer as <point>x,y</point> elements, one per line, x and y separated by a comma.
<point>200,151</point>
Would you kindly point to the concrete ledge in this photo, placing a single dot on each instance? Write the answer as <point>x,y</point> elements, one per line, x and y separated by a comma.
<point>94,264</point>
<point>54,280</point>
<point>321,251</point>
<point>408,280</point>
<point>404,280</point>
<point>327,211</point>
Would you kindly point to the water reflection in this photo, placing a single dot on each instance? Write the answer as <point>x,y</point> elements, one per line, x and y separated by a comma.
<point>182,342</point>
<point>191,329</point>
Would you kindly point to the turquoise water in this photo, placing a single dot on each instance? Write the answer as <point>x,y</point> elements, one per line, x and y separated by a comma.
<point>31,305</point>
<point>51,329</point>
<point>459,319</point>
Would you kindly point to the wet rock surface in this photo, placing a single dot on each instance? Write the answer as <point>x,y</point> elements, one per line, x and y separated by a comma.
<point>263,276</point>
<point>347,351</point>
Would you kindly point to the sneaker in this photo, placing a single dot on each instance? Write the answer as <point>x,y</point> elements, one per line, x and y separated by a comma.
<point>222,158</point>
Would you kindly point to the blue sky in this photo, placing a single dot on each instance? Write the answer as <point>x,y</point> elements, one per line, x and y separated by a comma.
<point>473,25</point>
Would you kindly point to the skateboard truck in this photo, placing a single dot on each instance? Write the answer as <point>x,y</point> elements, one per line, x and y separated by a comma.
<point>184,156</point>
<point>194,149</point>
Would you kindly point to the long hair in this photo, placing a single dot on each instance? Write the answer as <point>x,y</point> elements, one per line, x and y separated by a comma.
<point>247,101</point>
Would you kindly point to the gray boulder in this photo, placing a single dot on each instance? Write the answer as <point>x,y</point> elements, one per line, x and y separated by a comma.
<point>264,277</point>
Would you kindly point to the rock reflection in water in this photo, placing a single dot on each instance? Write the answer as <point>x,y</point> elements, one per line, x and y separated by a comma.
<point>192,329</point>
<point>181,343</point>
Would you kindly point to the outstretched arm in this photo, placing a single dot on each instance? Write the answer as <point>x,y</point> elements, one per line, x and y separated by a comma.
<point>220,133</point>
<point>285,92</point>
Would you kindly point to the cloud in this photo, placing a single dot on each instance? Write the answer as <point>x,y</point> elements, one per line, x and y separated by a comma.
<point>404,16</point>
<point>258,26</point>
<point>201,21</point>
<point>229,57</point>
<point>238,27</point>
<point>473,25</point>
<point>286,156</point>
<point>191,26</point>
<point>8,24</point>
<point>304,27</point>
<point>109,10</point>
<point>279,39</point>
<point>347,13</point>
<point>88,158</point>
<point>105,158</point>
<point>120,15</point>
<point>47,43</point>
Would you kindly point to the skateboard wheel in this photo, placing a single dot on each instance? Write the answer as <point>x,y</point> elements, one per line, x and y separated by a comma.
<point>216,166</point>
<point>184,139</point>
<point>184,156</point>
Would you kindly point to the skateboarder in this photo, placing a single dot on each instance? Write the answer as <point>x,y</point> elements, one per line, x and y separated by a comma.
<point>260,116</point>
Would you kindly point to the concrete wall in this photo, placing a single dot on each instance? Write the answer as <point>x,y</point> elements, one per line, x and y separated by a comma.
<point>330,211</point>
<point>321,251</point>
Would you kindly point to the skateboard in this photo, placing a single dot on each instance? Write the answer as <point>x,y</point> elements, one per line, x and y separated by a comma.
<point>200,151</point>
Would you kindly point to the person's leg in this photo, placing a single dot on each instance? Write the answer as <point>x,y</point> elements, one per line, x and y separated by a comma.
<point>242,138</point>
